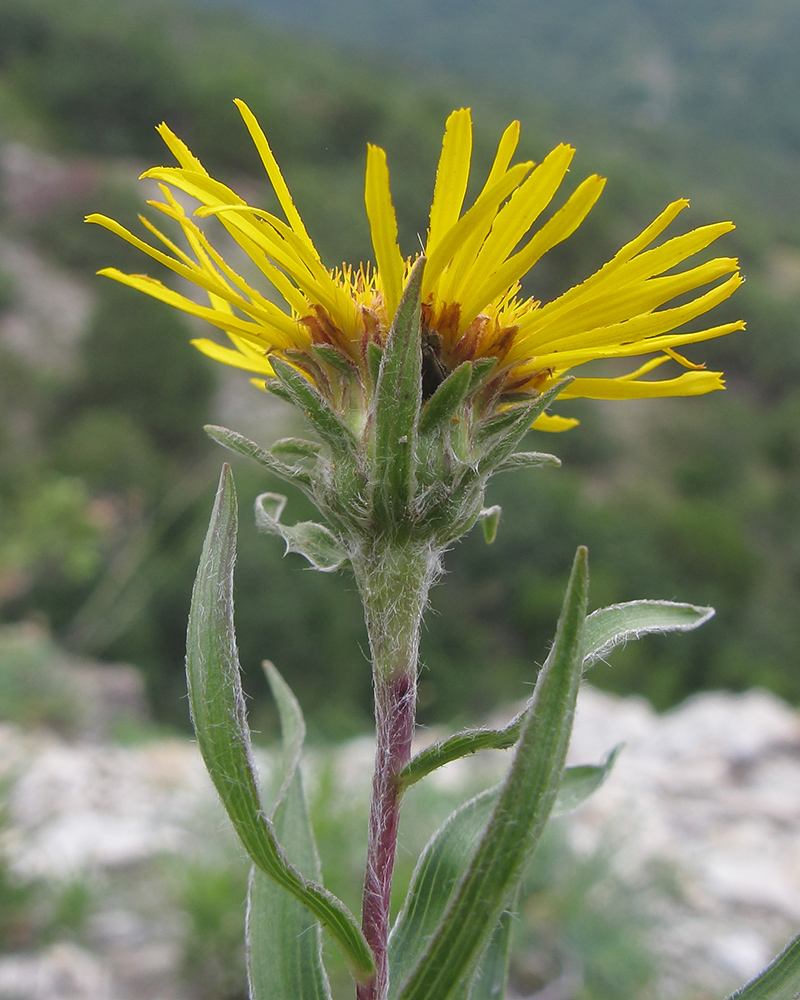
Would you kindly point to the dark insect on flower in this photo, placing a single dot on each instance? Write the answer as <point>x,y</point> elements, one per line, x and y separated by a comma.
<point>434,371</point>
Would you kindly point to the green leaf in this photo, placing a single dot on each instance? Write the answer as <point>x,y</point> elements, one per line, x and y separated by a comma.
<point>447,398</point>
<point>506,418</point>
<point>297,447</point>
<point>779,981</point>
<point>398,396</point>
<point>374,358</point>
<point>467,742</point>
<point>490,982</point>
<point>578,783</point>
<point>490,518</point>
<point>249,449</point>
<point>314,541</point>
<point>524,803</point>
<point>307,398</point>
<point>445,859</point>
<point>284,941</point>
<point>330,356</point>
<point>223,736</point>
<point>608,627</point>
<point>527,460</point>
<point>437,873</point>
<point>480,369</point>
<point>604,629</point>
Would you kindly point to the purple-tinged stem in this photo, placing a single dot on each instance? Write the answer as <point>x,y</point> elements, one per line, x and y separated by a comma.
<point>394,715</point>
<point>394,580</point>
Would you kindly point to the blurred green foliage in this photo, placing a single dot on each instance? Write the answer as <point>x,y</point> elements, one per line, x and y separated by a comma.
<point>106,479</point>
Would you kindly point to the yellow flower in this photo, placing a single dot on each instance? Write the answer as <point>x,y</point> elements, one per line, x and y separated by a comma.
<point>476,258</point>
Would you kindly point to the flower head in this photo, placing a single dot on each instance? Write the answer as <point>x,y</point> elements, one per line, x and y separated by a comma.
<point>472,308</point>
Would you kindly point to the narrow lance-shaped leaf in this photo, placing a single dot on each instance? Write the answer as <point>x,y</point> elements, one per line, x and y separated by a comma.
<point>438,870</point>
<point>604,629</point>
<point>448,853</point>
<point>608,627</point>
<point>284,942</point>
<point>398,396</point>
<point>490,981</point>
<point>779,981</point>
<point>223,736</point>
<point>524,804</point>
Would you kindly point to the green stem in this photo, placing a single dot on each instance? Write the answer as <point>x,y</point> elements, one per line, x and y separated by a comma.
<point>393,578</point>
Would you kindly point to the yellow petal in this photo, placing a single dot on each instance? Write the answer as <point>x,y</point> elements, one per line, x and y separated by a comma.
<point>473,263</point>
<point>383,228</point>
<point>260,335</point>
<point>562,225</point>
<point>688,384</point>
<point>230,357</point>
<point>274,174</point>
<point>179,150</point>
<point>485,208</point>
<point>452,176</point>
<point>554,424</point>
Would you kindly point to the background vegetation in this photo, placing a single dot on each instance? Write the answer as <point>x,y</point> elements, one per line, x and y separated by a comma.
<point>106,478</point>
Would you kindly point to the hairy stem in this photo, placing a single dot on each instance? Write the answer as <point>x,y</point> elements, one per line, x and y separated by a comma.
<point>394,579</point>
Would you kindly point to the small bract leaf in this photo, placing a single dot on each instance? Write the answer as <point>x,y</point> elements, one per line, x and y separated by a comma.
<point>501,440</point>
<point>374,358</point>
<point>316,408</point>
<point>397,400</point>
<point>299,447</point>
<point>490,518</point>
<point>527,460</point>
<point>314,541</point>
<point>330,356</point>
<point>444,403</point>
<point>481,367</point>
<point>249,449</point>
<point>507,419</point>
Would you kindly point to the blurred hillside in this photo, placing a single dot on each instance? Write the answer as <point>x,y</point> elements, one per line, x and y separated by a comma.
<point>106,478</point>
<point>729,70</point>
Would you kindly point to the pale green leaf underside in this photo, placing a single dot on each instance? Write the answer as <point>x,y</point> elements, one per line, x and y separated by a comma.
<point>609,627</point>
<point>779,981</point>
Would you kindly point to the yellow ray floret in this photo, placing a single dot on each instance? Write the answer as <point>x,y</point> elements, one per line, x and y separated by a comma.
<point>477,255</point>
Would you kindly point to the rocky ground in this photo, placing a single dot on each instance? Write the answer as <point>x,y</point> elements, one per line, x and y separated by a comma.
<point>703,805</point>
